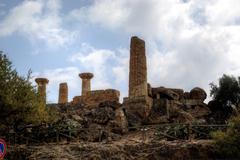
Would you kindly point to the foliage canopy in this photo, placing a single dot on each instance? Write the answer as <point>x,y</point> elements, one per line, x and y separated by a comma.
<point>19,101</point>
<point>227,143</point>
<point>228,90</point>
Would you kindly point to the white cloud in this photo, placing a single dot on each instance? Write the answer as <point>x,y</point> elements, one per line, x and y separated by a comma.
<point>37,20</point>
<point>110,69</point>
<point>193,62</point>
<point>189,43</point>
<point>152,18</point>
<point>95,61</point>
<point>60,75</point>
<point>108,66</point>
<point>122,69</point>
<point>223,12</point>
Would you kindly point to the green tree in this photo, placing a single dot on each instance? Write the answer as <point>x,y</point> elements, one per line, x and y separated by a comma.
<point>228,90</point>
<point>227,143</point>
<point>19,101</point>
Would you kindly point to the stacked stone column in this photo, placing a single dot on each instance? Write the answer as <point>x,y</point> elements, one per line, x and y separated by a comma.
<point>138,69</point>
<point>138,104</point>
<point>42,82</point>
<point>63,93</point>
<point>86,82</point>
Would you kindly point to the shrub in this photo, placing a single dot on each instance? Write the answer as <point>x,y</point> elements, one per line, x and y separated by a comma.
<point>20,103</point>
<point>228,143</point>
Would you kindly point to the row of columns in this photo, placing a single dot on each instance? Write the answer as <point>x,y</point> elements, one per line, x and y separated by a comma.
<point>63,87</point>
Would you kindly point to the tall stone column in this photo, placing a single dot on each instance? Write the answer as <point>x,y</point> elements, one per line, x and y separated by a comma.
<point>138,104</point>
<point>138,69</point>
<point>63,93</point>
<point>42,82</point>
<point>86,84</point>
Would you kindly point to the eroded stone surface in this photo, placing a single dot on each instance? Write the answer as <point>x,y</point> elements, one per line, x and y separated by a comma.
<point>86,84</point>
<point>63,93</point>
<point>198,93</point>
<point>138,103</point>
<point>42,83</point>
<point>138,68</point>
<point>94,98</point>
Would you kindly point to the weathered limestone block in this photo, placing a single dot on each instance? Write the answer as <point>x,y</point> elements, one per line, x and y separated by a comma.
<point>196,107</point>
<point>86,85</point>
<point>193,102</point>
<point>180,116</point>
<point>165,93</point>
<point>159,112</point>
<point>121,121</point>
<point>94,98</point>
<point>63,93</point>
<point>180,92</point>
<point>137,109</point>
<point>42,82</point>
<point>198,93</point>
<point>77,100</point>
<point>111,115</point>
<point>199,111</point>
<point>113,104</point>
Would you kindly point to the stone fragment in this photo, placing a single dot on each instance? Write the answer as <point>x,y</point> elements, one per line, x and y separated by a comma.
<point>165,93</point>
<point>198,93</point>
<point>93,98</point>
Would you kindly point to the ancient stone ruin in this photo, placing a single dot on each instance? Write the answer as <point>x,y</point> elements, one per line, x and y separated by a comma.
<point>138,69</point>
<point>42,82</point>
<point>86,84</point>
<point>138,103</point>
<point>94,98</point>
<point>144,105</point>
<point>63,93</point>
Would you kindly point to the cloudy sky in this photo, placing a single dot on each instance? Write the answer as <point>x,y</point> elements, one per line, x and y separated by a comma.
<point>189,43</point>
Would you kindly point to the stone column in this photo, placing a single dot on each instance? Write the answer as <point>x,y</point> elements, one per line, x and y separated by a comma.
<point>138,69</point>
<point>139,101</point>
<point>86,84</point>
<point>63,93</point>
<point>42,82</point>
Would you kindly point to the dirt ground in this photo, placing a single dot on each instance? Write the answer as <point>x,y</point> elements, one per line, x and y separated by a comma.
<point>135,145</point>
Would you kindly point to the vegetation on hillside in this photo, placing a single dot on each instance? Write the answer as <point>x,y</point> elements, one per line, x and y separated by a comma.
<point>228,90</point>
<point>19,102</point>
<point>226,98</point>
<point>228,143</point>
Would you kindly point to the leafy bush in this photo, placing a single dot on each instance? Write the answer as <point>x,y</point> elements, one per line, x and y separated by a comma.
<point>228,143</point>
<point>226,98</point>
<point>19,101</point>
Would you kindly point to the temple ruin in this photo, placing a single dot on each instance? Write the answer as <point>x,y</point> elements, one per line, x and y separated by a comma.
<point>145,104</point>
